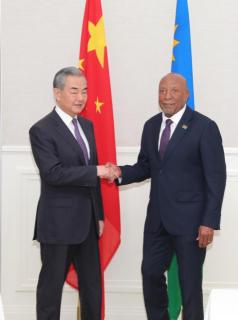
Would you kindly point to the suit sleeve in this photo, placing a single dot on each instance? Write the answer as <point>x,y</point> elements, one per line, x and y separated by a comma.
<point>51,169</point>
<point>99,205</point>
<point>141,169</point>
<point>214,169</point>
<point>98,194</point>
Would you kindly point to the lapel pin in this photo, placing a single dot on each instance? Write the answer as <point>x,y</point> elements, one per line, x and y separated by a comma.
<point>184,126</point>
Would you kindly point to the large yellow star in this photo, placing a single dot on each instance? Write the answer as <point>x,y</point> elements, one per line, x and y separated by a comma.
<point>99,105</point>
<point>175,42</point>
<point>80,64</point>
<point>97,40</point>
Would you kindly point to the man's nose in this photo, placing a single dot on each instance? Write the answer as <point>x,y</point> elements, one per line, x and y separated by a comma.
<point>79,96</point>
<point>168,95</point>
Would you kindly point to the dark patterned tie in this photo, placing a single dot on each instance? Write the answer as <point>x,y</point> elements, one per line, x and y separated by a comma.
<point>165,137</point>
<point>80,139</point>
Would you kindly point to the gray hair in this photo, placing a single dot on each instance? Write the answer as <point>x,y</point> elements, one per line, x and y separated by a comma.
<point>59,78</point>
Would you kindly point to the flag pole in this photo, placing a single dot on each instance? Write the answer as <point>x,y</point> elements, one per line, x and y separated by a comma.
<point>78,310</point>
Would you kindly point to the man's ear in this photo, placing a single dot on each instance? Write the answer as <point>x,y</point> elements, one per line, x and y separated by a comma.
<point>57,93</point>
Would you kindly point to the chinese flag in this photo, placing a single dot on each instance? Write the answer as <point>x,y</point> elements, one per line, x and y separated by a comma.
<point>94,63</point>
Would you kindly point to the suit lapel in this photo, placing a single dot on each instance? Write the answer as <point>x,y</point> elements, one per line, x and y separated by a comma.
<point>155,137</point>
<point>66,134</point>
<point>179,133</point>
<point>89,135</point>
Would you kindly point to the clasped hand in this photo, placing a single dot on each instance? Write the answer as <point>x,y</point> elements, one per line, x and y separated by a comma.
<point>109,171</point>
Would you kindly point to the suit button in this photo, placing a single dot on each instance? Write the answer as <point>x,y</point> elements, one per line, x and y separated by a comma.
<point>161,171</point>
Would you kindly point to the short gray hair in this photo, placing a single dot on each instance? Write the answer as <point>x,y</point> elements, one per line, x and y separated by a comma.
<point>59,78</point>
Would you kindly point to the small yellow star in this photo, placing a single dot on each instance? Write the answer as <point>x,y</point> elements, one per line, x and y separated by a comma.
<point>97,40</point>
<point>80,64</point>
<point>175,42</point>
<point>99,105</point>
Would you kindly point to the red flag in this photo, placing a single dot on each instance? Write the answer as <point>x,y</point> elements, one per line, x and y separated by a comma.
<point>94,63</point>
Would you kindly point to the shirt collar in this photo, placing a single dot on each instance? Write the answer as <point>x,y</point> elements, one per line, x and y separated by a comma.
<point>176,117</point>
<point>64,116</point>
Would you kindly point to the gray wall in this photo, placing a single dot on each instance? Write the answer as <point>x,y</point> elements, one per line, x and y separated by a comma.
<point>39,37</point>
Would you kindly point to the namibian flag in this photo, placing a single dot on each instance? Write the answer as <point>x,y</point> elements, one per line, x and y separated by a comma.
<point>182,64</point>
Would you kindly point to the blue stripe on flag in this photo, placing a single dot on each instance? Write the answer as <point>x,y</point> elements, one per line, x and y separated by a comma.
<point>182,50</point>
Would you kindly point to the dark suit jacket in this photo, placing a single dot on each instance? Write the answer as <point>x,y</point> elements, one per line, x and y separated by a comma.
<point>70,190</point>
<point>187,185</point>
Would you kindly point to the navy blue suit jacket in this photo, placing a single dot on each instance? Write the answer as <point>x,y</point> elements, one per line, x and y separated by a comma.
<point>70,190</point>
<point>187,185</point>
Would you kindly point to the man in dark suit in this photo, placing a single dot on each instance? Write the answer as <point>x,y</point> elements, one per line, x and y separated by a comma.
<point>181,151</point>
<point>69,216</point>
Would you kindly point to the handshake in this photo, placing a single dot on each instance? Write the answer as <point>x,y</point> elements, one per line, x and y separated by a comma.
<point>109,171</point>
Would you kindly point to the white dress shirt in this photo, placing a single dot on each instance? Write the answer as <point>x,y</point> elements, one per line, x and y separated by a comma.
<point>67,119</point>
<point>175,118</point>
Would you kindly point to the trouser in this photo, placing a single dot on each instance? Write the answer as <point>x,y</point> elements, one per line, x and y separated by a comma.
<point>56,260</point>
<point>158,251</point>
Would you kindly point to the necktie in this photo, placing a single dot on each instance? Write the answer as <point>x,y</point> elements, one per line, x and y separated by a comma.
<point>80,139</point>
<point>165,137</point>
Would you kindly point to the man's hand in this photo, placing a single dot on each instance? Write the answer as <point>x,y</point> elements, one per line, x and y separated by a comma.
<point>205,236</point>
<point>101,227</point>
<point>109,171</point>
<point>116,171</point>
<point>104,172</point>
